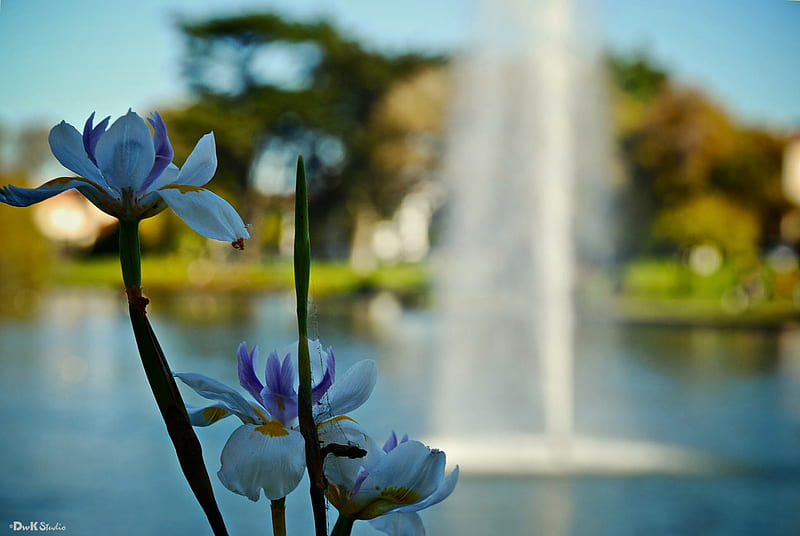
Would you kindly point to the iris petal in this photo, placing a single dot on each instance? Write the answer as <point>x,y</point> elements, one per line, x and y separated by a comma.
<point>91,135</point>
<point>352,389</point>
<point>23,197</point>
<point>399,524</point>
<point>213,390</point>
<point>163,150</point>
<point>66,143</point>
<point>125,152</point>
<point>319,390</point>
<point>391,443</point>
<point>201,164</point>
<point>411,471</point>
<point>442,492</point>
<point>253,460</point>
<point>205,212</point>
<point>343,471</point>
<point>247,374</point>
<point>207,415</point>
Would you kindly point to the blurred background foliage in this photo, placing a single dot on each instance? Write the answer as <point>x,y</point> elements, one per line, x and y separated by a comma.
<point>693,187</point>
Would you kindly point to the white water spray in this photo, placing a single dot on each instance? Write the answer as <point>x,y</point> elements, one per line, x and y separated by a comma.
<point>525,159</point>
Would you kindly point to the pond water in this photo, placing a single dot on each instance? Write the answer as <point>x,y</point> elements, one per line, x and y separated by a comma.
<point>83,445</point>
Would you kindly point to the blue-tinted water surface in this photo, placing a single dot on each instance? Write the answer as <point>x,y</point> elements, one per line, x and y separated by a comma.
<point>83,445</point>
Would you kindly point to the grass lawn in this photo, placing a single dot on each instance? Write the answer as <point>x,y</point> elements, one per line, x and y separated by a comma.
<point>174,273</point>
<point>652,292</point>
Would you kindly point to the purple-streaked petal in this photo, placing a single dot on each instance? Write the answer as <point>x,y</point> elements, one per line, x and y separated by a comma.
<point>91,135</point>
<point>279,395</point>
<point>22,197</point>
<point>351,390</point>
<point>319,390</point>
<point>163,149</point>
<point>279,375</point>
<point>247,373</point>
<point>287,375</point>
<point>201,164</point>
<point>214,390</point>
<point>399,524</point>
<point>391,443</point>
<point>66,143</point>
<point>125,152</point>
<point>267,457</point>
<point>205,212</point>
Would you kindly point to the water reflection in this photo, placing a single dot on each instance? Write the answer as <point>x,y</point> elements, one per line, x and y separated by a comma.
<point>83,443</point>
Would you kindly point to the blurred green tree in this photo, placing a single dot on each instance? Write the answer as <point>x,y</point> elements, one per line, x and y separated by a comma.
<point>271,89</point>
<point>712,220</point>
<point>25,258</point>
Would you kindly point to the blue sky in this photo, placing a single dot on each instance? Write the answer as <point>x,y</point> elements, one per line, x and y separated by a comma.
<point>62,59</point>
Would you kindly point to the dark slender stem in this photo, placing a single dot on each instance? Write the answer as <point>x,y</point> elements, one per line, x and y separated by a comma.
<point>162,383</point>
<point>308,428</point>
<point>278,510</point>
<point>343,526</point>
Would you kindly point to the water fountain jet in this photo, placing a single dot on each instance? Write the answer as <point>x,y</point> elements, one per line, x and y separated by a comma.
<point>525,165</point>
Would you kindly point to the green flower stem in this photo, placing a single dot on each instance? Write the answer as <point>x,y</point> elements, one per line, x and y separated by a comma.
<point>162,383</point>
<point>302,272</point>
<point>278,509</point>
<point>343,526</point>
<point>130,254</point>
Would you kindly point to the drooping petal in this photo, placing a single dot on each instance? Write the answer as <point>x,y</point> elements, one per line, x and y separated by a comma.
<point>22,197</point>
<point>125,153</point>
<point>267,457</point>
<point>201,164</point>
<point>66,143</point>
<point>205,212</point>
<point>163,149</point>
<point>91,135</point>
<point>351,390</point>
<point>405,476</point>
<point>207,415</point>
<point>319,390</point>
<point>399,524</point>
<point>214,390</point>
<point>247,374</point>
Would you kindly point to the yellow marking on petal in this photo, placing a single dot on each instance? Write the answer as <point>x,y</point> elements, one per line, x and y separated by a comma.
<point>183,188</point>
<point>272,429</point>
<point>400,495</point>
<point>389,499</point>
<point>213,414</point>
<point>259,412</point>
<point>336,419</point>
<point>64,180</point>
<point>61,180</point>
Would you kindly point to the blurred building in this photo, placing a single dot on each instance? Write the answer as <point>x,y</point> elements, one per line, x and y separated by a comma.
<point>790,223</point>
